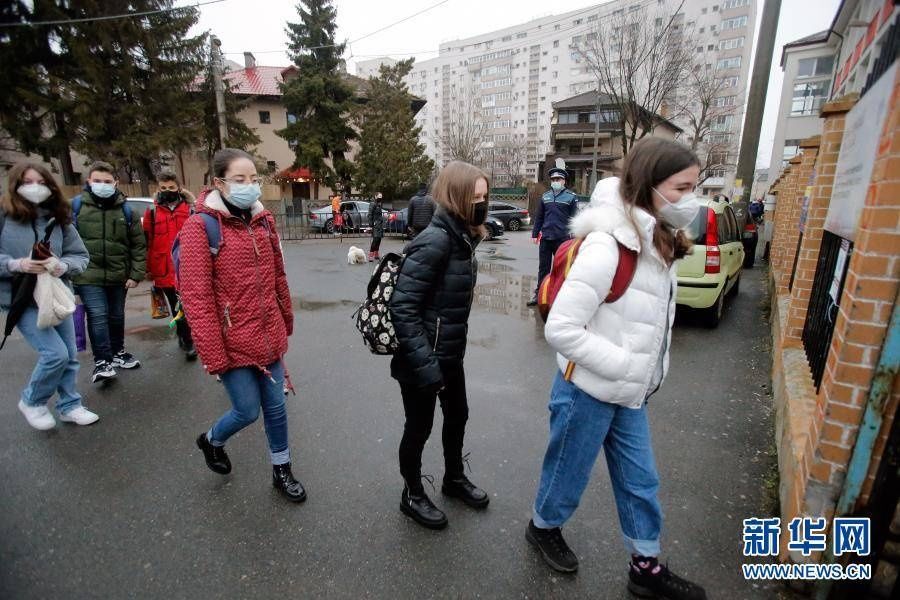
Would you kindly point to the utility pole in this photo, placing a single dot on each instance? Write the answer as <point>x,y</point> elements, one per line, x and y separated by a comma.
<point>759,83</point>
<point>217,66</point>
<point>596,143</point>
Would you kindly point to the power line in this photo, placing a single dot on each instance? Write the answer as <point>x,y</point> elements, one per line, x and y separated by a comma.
<point>109,17</point>
<point>404,19</point>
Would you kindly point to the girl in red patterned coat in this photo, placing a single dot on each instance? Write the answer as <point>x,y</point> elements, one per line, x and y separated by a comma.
<point>239,307</point>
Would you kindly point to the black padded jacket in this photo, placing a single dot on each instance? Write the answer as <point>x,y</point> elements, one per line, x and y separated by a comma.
<point>431,302</point>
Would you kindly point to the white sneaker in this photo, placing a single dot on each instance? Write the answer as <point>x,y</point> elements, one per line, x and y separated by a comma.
<point>37,416</point>
<point>80,415</point>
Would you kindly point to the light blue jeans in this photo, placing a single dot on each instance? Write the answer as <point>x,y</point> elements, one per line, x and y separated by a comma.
<point>579,426</point>
<point>57,366</point>
<point>250,390</point>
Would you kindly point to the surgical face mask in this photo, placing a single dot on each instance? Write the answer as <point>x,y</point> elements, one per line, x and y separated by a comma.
<point>34,192</point>
<point>557,186</point>
<point>479,213</point>
<point>679,214</point>
<point>103,190</point>
<point>243,195</point>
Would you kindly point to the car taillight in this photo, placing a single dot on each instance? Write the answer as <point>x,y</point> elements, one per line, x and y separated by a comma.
<point>313,216</point>
<point>524,213</point>
<point>713,255</point>
<point>750,226</point>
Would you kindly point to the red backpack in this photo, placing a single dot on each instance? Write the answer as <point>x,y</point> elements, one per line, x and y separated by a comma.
<point>563,261</point>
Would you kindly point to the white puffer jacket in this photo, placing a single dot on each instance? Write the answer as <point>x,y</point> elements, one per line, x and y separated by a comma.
<point>616,347</point>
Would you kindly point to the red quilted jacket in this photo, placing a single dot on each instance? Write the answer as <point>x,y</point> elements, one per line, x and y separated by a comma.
<point>161,226</point>
<point>238,303</point>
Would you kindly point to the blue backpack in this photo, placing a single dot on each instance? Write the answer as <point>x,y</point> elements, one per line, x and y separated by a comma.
<point>213,237</point>
<point>76,208</point>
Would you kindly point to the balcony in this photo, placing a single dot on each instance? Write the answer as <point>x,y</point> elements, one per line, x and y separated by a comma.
<point>585,128</point>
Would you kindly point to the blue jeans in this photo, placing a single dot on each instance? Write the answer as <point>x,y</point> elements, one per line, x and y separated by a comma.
<point>57,366</point>
<point>104,306</point>
<point>249,389</point>
<point>579,425</point>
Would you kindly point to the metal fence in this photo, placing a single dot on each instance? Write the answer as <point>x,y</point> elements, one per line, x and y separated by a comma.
<point>295,225</point>
<point>824,300</point>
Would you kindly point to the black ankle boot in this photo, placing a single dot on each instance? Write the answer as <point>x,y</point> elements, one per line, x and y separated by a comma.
<point>418,506</point>
<point>460,487</point>
<point>284,482</point>
<point>215,456</point>
<point>649,579</point>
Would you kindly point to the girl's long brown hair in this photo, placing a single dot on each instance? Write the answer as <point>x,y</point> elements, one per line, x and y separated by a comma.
<point>454,190</point>
<point>20,209</point>
<point>651,161</point>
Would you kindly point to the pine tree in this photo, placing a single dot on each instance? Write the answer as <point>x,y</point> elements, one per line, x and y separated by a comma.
<point>391,159</point>
<point>34,111</point>
<point>318,96</point>
<point>132,97</point>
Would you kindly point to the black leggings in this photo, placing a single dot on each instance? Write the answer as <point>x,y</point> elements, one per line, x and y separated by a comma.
<point>181,326</point>
<point>418,405</point>
<point>376,244</point>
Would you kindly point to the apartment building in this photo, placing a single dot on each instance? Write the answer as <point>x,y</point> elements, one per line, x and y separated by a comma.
<point>510,77</point>
<point>808,65</point>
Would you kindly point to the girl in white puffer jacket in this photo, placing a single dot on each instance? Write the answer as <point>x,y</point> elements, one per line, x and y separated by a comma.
<point>620,352</point>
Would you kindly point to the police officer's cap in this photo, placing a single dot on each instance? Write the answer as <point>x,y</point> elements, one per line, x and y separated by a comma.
<point>556,172</point>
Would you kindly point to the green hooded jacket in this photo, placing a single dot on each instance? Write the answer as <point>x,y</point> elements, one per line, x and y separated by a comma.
<point>118,252</point>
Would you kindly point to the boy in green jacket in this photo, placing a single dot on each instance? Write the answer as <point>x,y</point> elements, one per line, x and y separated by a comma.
<point>115,241</point>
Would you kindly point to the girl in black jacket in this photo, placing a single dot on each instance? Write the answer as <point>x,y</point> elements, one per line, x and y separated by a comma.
<point>430,313</point>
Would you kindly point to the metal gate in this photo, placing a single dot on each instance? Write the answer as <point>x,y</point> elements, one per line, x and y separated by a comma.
<point>824,301</point>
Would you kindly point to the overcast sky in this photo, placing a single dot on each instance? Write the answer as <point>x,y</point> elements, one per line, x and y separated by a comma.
<point>258,26</point>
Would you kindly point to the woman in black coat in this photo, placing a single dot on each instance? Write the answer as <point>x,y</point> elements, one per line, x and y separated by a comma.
<point>430,312</point>
<point>376,222</point>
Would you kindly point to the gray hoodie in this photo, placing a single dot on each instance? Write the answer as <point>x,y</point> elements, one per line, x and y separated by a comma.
<point>17,238</point>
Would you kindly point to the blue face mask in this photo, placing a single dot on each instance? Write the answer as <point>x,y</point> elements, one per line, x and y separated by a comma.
<point>103,190</point>
<point>243,195</point>
<point>557,186</point>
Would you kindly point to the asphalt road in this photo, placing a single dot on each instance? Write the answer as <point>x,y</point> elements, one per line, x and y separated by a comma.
<point>127,507</point>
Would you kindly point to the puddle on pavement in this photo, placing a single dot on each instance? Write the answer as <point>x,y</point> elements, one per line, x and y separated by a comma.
<point>507,294</point>
<point>299,304</point>
<point>151,333</point>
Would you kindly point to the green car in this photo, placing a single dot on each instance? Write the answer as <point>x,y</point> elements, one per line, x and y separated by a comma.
<point>713,270</point>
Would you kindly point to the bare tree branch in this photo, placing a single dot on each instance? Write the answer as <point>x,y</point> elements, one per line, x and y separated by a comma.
<point>511,156</point>
<point>463,138</point>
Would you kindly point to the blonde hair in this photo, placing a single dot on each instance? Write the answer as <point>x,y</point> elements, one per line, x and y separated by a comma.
<point>454,190</point>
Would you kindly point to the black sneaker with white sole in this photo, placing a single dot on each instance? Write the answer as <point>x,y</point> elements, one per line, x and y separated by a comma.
<point>103,371</point>
<point>125,360</point>
<point>553,548</point>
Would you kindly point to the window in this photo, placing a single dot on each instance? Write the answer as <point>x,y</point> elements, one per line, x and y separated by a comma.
<point>265,117</point>
<point>728,82</point>
<point>522,34</point>
<point>722,123</point>
<point>556,43</point>
<point>723,101</point>
<point>711,47</point>
<point>809,98</point>
<point>703,11</point>
<point>555,74</point>
<point>791,148</point>
<point>555,59</point>
<point>735,23</point>
<point>658,22</point>
<point>699,49</point>
<point>815,67</point>
<point>271,165</point>
<point>553,90</point>
<point>716,8</point>
<point>702,30</point>
<point>577,22</point>
<point>729,63</point>
<point>734,4</point>
<point>732,43</point>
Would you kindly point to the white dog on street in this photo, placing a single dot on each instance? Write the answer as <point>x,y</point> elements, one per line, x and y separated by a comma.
<point>356,256</point>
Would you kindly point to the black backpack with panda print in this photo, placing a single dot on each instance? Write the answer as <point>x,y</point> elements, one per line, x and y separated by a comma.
<point>373,317</point>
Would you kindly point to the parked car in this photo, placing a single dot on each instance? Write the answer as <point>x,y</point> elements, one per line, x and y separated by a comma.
<point>356,217</point>
<point>713,270</point>
<point>512,217</point>
<point>139,206</point>
<point>494,228</point>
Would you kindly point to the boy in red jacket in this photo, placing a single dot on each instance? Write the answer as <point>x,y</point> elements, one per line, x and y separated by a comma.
<point>161,226</point>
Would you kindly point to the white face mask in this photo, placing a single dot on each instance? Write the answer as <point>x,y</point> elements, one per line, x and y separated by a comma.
<point>557,186</point>
<point>34,192</point>
<point>679,214</point>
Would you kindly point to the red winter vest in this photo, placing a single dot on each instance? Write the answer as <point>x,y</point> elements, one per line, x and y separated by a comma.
<point>161,226</point>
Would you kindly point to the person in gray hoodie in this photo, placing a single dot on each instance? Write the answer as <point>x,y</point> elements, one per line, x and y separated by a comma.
<point>31,201</point>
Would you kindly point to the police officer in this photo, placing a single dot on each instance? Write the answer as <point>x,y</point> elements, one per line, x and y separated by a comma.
<point>551,223</point>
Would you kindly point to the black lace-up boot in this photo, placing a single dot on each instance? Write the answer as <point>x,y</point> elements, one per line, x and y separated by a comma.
<point>416,504</point>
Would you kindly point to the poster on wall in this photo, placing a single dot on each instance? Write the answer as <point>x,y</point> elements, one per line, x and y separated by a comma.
<point>858,149</point>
